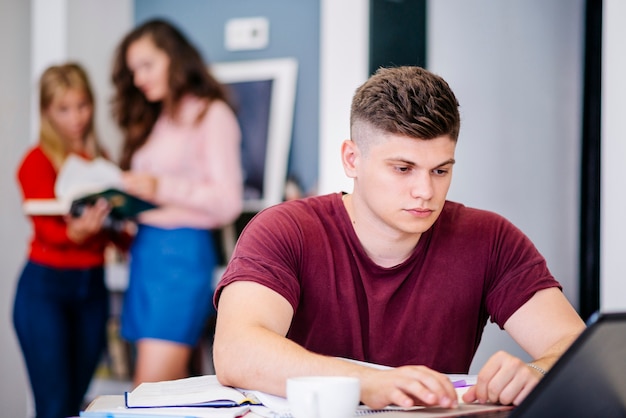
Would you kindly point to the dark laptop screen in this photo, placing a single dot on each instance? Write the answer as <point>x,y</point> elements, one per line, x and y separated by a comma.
<point>589,380</point>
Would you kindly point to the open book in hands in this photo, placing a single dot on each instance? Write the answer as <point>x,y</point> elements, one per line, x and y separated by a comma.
<point>80,183</point>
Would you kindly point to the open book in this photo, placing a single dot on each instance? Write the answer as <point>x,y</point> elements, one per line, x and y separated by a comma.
<point>203,391</point>
<point>80,183</point>
<point>112,406</point>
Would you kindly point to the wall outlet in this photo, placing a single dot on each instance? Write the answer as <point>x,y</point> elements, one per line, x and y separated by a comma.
<point>246,33</point>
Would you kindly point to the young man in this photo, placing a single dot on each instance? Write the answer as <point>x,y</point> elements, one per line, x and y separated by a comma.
<point>392,273</point>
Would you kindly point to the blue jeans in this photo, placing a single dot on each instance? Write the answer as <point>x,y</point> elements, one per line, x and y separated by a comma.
<point>60,319</point>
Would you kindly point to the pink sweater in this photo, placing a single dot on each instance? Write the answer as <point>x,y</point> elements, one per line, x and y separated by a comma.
<point>198,167</point>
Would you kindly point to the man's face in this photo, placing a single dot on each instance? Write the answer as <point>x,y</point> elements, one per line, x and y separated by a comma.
<point>401,183</point>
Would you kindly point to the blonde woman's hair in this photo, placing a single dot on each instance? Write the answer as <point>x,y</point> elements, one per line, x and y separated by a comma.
<point>57,80</point>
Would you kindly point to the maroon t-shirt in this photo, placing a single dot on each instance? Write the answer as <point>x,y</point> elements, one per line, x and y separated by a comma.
<point>429,310</point>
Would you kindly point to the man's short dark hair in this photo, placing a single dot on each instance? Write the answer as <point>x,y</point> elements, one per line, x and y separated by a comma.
<point>408,101</point>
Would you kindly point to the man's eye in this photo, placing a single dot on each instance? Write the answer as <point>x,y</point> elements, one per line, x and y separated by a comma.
<point>402,169</point>
<point>440,171</point>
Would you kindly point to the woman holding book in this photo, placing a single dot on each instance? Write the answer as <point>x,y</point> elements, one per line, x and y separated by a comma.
<point>182,152</point>
<point>61,304</point>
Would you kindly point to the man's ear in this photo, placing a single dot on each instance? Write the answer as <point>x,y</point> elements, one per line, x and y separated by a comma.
<point>349,157</point>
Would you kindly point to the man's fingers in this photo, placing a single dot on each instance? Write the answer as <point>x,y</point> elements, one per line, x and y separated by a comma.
<point>470,395</point>
<point>427,387</point>
<point>504,379</point>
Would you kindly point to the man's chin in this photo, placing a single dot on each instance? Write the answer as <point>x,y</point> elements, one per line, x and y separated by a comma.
<point>420,227</point>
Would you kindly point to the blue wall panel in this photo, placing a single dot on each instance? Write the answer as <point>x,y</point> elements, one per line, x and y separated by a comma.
<point>294,32</point>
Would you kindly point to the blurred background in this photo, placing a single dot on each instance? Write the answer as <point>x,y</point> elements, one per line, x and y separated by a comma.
<point>519,69</point>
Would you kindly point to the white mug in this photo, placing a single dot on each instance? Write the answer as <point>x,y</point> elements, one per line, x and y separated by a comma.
<point>323,396</point>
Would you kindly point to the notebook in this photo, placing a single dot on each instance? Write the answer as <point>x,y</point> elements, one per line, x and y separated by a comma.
<point>589,380</point>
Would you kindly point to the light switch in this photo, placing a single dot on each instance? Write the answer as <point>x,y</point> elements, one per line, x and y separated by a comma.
<point>246,33</point>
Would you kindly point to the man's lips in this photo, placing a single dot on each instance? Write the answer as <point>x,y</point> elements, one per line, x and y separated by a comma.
<point>420,212</point>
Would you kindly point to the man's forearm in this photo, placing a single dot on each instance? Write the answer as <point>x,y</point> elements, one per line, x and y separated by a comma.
<point>546,361</point>
<point>259,359</point>
<point>263,360</point>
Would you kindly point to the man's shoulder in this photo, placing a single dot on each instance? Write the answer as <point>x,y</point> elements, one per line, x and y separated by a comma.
<point>313,205</point>
<point>301,215</point>
<point>457,216</point>
<point>457,209</point>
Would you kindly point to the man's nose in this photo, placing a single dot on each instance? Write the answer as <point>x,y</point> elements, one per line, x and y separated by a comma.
<point>422,186</point>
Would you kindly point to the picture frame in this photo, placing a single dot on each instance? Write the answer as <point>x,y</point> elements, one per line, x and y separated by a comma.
<point>263,93</point>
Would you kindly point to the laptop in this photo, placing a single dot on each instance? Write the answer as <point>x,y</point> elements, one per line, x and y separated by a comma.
<point>588,381</point>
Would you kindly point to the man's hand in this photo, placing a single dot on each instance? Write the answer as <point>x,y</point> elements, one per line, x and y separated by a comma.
<point>545,326</point>
<point>407,386</point>
<point>503,379</point>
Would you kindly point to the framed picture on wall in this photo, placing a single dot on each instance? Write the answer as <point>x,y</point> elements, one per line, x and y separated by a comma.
<point>263,93</point>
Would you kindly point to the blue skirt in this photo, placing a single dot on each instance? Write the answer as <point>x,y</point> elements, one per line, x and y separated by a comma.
<point>170,289</point>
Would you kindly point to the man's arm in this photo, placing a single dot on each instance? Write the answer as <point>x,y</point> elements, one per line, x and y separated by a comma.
<point>252,352</point>
<point>544,327</point>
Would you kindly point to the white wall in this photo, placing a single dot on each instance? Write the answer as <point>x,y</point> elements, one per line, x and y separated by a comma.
<point>343,67</point>
<point>15,86</point>
<point>613,224</point>
<point>516,69</point>
<point>47,45</point>
<point>94,30</point>
<point>86,32</point>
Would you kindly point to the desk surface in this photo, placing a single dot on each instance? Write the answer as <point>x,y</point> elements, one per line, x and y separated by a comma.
<point>463,409</point>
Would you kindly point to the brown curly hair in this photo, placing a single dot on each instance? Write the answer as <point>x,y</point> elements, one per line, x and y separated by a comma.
<point>409,101</point>
<point>188,74</point>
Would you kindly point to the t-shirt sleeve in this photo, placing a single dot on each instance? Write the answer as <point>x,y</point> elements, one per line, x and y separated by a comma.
<point>516,272</point>
<point>36,177</point>
<point>267,252</point>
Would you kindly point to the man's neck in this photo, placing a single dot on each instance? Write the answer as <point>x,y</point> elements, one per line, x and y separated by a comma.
<point>386,246</point>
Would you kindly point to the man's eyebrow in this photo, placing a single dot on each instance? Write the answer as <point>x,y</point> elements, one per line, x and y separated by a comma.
<point>448,162</point>
<point>411,163</point>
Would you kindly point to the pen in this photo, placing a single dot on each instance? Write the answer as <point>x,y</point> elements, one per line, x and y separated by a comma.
<point>460,384</point>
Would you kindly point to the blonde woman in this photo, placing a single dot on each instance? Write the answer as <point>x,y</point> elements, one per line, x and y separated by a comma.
<point>61,303</point>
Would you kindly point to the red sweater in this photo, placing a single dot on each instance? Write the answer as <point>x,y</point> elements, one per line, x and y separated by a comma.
<point>50,244</point>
